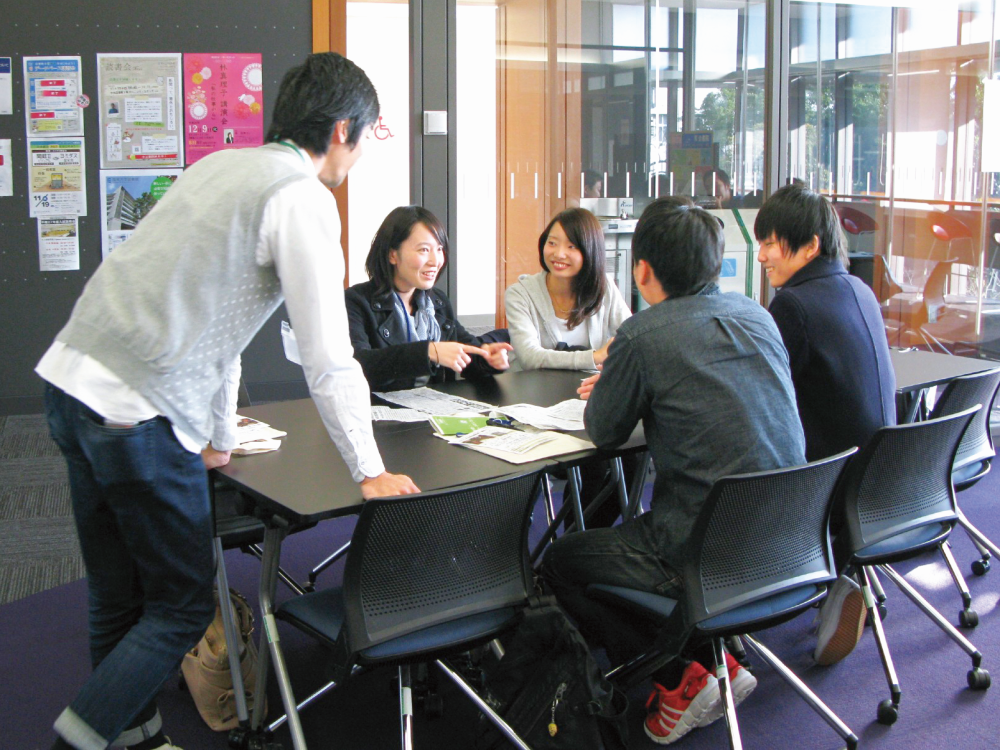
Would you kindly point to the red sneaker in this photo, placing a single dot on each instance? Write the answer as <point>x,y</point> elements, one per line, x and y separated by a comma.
<point>742,684</point>
<point>680,710</point>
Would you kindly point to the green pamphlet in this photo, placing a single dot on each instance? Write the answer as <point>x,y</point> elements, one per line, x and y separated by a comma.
<point>455,425</point>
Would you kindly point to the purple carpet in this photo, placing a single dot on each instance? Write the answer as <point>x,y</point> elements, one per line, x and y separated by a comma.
<point>44,658</point>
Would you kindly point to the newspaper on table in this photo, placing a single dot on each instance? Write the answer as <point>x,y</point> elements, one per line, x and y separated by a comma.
<point>388,414</point>
<point>566,415</point>
<point>518,446</point>
<point>432,402</point>
<point>255,436</point>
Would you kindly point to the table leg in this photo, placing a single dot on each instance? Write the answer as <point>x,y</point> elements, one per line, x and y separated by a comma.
<point>268,582</point>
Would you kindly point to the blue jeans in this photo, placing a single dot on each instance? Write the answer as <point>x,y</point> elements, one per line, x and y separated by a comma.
<point>141,505</point>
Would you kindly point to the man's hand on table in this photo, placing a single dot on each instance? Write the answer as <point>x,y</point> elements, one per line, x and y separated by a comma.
<point>386,485</point>
<point>587,385</point>
<point>213,459</point>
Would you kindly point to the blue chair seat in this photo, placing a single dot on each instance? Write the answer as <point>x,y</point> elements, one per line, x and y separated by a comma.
<point>322,613</point>
<point>659,608</point>
<point>905,543</point>
<point>969,474</point>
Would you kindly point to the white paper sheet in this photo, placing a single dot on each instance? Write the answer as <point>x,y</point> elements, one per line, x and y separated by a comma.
<point>388,414</point>
<point>566,415</point>
<point>432,402</point>
<point>58,244</point>
<point>519,447</point>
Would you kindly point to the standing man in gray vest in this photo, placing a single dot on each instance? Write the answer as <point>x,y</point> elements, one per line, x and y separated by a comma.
<point>141,383</point>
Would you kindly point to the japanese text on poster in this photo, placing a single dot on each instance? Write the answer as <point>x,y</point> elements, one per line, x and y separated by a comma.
<point>58,244</point>
<point>6,88</point>
<point>52,86</point>
<point>127,195</point>
<point>223,103</point>
<point>56,173</point>
<point>6,170</point>
<point>140,110</point>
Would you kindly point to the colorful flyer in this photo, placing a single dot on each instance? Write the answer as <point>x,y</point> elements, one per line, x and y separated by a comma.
<point>6,169</point>
<point>52,86</point>
<point>139,109</point>
<point>127,195</point>
<point>6,88</point>
<point>56,177</point>
<point>223,102</point>
<point>58,244</point>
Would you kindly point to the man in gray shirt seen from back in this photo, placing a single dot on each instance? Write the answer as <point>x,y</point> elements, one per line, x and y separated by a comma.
<point>708,376</point>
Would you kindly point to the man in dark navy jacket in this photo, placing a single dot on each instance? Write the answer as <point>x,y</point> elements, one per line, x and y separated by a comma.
<point>844,383</point>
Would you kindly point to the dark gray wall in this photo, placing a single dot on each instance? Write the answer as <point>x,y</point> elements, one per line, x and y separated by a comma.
<point>35,305</point>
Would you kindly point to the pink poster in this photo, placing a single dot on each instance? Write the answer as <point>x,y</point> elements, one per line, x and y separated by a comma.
<point>223,102</point>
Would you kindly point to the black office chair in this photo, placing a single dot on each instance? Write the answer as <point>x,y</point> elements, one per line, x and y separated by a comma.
<point>427,576</point>
<point>897,502</point>
<point>975,452</point>
<point>759,555</point>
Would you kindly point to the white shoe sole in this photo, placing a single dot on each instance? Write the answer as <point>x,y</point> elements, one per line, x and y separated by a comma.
<point>742,686</point>
<point>841,625</point>
<point>704,703</point>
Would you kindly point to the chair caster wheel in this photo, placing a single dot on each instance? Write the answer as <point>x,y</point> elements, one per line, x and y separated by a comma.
<point>888,713</point>
<point>968,618</point>
<point>238,738</point>
<point>979,679</point>
<point>981,567</point>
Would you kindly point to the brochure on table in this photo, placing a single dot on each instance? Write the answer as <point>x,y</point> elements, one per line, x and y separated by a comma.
<point>517,446</point>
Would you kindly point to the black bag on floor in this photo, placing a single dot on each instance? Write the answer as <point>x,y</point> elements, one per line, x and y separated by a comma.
<point>550,690</point>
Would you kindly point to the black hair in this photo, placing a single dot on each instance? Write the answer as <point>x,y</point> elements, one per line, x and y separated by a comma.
<point>590,176</point>
<point>682,243</point>
<point>393,232</point>
<point>316,95</point>
<point>720,174</point>
<point>583,230</point>
<point>793,215</point>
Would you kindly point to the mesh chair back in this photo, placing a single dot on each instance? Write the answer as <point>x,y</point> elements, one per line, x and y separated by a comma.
<point>977,389</point>
<point>420,560</point>
<point>760,534</point>
<point>902,479</point>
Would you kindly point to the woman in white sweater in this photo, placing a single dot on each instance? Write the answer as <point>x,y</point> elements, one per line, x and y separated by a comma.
<point>565,316</point>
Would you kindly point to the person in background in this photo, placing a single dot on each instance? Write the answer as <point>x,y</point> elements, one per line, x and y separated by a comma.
<point>845,385</point>
<point>593,184</point>
<point>722,194</point>
<point>141,383</point>
<point>565,317</point>
<point>403,330</point>
<point>707,375</point>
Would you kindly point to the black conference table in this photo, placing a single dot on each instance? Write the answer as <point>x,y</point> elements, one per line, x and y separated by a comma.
<point>917,370</point>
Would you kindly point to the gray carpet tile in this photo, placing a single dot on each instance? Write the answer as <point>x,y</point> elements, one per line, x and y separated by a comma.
<point>25,579</point>
<point>38,545</point>
<point>37,539</point>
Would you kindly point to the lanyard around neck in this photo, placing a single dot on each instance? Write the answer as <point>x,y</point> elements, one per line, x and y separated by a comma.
<point>293,147</point>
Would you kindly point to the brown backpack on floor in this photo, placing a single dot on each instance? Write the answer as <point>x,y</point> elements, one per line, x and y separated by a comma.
<point>206,667</point>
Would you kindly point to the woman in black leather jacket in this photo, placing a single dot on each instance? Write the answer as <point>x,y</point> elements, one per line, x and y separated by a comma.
<point>404,331</point>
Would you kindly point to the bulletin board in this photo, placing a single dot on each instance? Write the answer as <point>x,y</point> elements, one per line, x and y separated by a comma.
<point>34,305</point>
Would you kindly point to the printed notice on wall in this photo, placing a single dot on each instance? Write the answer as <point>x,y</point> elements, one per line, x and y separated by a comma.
<point>6,170</point>
<point>52,89</point>
<point>6,88</point>
<point>56,173</point>
<point>223,103</point>
<point>128,195</point>
<point>139,110</point>
<point>58,244</point>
